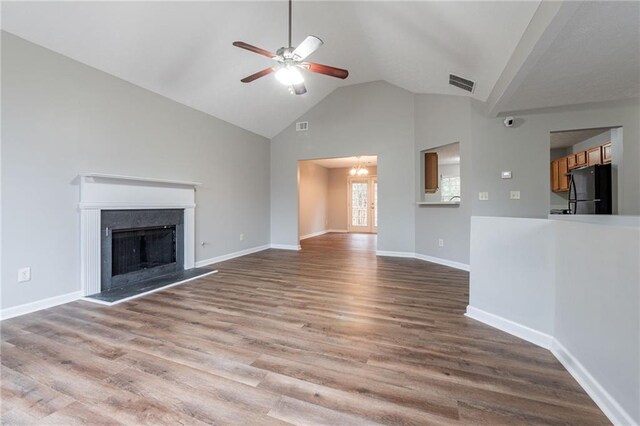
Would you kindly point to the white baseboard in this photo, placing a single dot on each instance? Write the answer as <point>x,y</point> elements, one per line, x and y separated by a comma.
<point>211,261</point>
<point>314,234</point>
<point>439,261</point>
<point>28,308</point>
<point>529,334</point>
<point>395,253</point>
<point>286,247</point>
<point>609,406</point>
<point>445,262</point>
<point>103,302</point>
<point>337,231</point>
<point>598,394</point>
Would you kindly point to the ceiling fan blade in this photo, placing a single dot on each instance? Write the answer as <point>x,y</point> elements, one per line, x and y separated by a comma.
<point>257,75</point>
<point>243,45</point>
<point>307,47</point>
<point>326,70</point>
<point>299,89</point>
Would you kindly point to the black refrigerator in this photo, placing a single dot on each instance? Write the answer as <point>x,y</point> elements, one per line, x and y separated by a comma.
<point>590,190</point>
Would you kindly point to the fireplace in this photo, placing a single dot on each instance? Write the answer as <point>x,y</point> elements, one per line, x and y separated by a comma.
<point>124,215</point>
<point>138,245</point>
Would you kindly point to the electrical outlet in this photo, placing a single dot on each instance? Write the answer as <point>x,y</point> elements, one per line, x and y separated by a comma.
<point>24,274</point>
<point>241,236</point>
<point>514,195</point>
<point>483,196</point>
<point>440,242</point>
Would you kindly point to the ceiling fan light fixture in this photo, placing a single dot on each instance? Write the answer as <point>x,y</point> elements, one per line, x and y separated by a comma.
<point>289,76</point>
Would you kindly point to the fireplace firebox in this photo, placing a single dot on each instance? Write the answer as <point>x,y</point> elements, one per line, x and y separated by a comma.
<point>138,245</point>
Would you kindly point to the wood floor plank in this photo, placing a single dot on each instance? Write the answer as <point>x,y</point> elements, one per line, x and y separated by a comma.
<point>332,334</point>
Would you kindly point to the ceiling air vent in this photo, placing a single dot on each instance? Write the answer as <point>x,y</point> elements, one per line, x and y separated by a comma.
<point>462,83</point>
<point>302,126</point>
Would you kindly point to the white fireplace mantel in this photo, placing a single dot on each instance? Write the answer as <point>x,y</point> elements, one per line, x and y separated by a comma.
<point>115,192</point>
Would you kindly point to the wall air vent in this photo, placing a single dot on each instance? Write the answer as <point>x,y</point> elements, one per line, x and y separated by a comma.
<point>462,83</point>
<point>302,126</point>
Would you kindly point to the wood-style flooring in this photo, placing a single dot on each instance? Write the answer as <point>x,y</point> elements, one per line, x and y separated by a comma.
<point>328,335</point>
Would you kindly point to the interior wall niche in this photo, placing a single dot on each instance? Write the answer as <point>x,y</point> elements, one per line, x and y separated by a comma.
<point>574,150</point>
<point>440,172</point>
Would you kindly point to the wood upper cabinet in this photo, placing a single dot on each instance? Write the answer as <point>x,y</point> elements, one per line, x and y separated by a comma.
<point>594,156</point>
<point>431,172</point>
<point>559,178</point>
<point>563,179</point>
<point>554,176</point>
<point>606,153</point>
<point>571,161</point>
<point>581,159</point>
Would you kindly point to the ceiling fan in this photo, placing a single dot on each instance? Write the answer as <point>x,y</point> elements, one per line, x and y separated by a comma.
<point>290,61</point>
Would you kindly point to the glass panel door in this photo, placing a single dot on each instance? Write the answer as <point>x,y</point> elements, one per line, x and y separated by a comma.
<point>363,201</point>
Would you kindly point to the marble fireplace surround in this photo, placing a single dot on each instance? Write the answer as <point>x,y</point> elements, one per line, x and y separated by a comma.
<point>100,192</point>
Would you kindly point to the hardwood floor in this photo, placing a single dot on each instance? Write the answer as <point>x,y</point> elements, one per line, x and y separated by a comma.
<point>329,335</point>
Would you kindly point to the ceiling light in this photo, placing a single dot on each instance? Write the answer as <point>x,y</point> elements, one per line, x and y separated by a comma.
<point>289,76</point>
<point>358,169</point>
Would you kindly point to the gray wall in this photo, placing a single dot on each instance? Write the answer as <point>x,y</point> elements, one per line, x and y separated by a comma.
<point>366,119</point>
<point>524,149</point>
<point>313,187</point>
<point>442,120</point>
<point>61,118</point>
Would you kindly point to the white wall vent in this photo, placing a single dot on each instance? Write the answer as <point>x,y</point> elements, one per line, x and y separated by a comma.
<point>302,126</point>
<point>462,83</point>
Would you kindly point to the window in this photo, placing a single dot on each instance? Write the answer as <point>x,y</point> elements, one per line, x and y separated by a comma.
<point>449,187</point>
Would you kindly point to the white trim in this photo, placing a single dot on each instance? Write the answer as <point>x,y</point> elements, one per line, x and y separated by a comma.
<point>445,262</point>
<point>313,234</point>
<point>395,254</point>
<point>28,308</point>
<point>529,334</point>
<point>607,403</point>
<point>424,257</point>
<point>595,390</point>
<point>337,231</point>
<point>138,179</point>
<point>286,247</point>
<point>211,261</point>
<point>134,206</point>
<point>102,302</point>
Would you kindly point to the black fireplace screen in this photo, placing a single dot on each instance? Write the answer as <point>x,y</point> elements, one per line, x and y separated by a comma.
<point>143,248</point>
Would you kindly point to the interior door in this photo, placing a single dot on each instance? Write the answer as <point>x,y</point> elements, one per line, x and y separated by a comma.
<point>363,210</point>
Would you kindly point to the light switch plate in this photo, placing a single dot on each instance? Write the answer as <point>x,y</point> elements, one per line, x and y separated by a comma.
<point>515,195</point>
<point>440,242</point>
<point>483,196</point>
<point>506,175</point>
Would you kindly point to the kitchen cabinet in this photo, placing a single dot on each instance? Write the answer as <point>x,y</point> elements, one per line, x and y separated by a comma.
<point>554,175</point>
<point>606,153</point>
<point>431,179</point>
<point>559,179</point>
<point>581,159</point>
<point>563,179</point>
<point>594,156</point>
<point>571,162</point>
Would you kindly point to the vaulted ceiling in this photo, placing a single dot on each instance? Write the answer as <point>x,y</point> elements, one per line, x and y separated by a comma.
<point>522,55</point>
<point>183,50</point>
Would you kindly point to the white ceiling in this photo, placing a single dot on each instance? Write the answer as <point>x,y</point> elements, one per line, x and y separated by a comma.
<point>595,57</point>
<point>183,50</point>
<point>572,137</point>
<point>336,163</point>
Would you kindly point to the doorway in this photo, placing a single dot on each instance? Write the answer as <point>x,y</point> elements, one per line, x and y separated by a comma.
<point>363,204</point>
<point>337,195</point>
